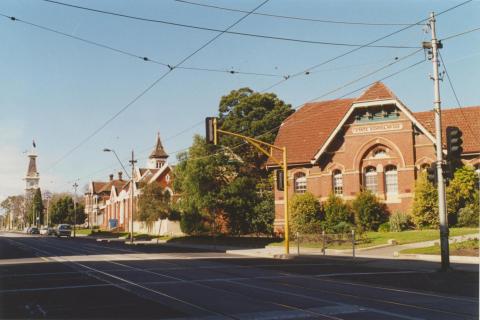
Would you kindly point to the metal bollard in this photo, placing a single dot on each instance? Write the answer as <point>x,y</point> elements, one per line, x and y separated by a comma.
<point>353,243</point>
<point>323,242</point>
<point>298,243</point>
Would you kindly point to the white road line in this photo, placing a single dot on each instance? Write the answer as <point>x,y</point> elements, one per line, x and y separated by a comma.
<point>55,288</point>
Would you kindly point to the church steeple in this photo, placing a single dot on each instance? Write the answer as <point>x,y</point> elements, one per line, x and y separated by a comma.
<point>32,178</point>
<point>158,157</point>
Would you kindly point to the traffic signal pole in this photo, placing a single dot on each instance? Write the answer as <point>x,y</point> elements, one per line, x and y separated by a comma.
<point>439,152</point>
<point>267,149</point>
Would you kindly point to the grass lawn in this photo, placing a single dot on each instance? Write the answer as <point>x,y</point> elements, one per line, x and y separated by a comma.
<point>377,238</point>
<point>465,248</point>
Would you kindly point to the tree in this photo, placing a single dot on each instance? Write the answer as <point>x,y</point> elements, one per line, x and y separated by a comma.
<point>305,214</point>
<point>461,192</point>
<point>200,176</point>
<point>425,203</point>
<point>62,210</point>
<point>14,210</point>
<point>338,215</point>
<point>369,212</point>
<point>252,114</point>
<point>35,210</point>
<point>153,203</point>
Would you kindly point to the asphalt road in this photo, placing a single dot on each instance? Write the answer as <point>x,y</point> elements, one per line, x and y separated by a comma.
<point>46,277</point>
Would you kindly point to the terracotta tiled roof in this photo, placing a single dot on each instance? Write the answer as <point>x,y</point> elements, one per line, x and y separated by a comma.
<point>377,91</point>
<point>466,118</point>
<point>97,186</point>
<point>305,131</point>
<point>118,184</point>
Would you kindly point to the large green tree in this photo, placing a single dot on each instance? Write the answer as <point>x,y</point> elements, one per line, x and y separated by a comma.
<point>35,209</point>
<point>153,203</point>
<point>62,210</point>
<point>14,209</point>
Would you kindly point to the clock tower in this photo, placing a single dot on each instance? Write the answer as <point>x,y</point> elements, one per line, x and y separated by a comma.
<point>32,178</point>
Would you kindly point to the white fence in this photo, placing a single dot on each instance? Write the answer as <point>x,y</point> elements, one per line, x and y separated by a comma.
<point>162,227</point>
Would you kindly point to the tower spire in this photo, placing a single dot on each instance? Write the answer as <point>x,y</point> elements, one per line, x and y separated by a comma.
<point>158,157</point>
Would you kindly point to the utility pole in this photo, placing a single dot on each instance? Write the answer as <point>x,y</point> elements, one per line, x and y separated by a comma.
<point>132,162</point>
<point>434,46</point>
<point>75,186</point>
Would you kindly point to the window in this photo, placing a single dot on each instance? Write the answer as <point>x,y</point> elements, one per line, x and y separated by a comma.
<point>371,179</point>
<point>380,153</point>
<point>391,180</point>
<point>300,185</point>
<point>337,183</point>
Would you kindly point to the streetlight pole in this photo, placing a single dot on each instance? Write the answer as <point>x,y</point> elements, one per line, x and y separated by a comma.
<point>132,190</point>
<point>75,185</point>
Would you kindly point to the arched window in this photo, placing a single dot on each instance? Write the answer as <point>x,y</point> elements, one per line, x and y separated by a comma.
<point>337,182</point>
<point>379,153</point>
<point>371,179</point>
<point>300,185</point>
<point>391,180</point>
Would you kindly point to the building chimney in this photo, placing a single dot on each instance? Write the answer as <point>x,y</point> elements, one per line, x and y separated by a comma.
<point>119,175</point>
<point>111,177</point>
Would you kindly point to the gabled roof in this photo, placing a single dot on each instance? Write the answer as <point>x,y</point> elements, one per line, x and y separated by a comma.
<point>308,132</point>
<point>378,91</point>
<point>305,131</point>
<point>466,118</point>
<point>97,186</point>
<point>117,184</point>
<point>158,151</point>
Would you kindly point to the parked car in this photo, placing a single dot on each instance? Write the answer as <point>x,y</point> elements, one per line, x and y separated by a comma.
<point>63,230</point>
<point>48,231</point>
<point>33,230</point>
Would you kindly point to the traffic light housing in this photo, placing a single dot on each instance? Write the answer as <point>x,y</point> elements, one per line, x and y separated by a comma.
<point>280,182</point>
<point>211,130</point>
<point>454,143</point>
<point>432,173</point>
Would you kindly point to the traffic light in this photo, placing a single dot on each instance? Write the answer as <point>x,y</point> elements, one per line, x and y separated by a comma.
<point>280,184</point>
<point>454,143</point>
<point>432,173</point>
<point>211,130</point>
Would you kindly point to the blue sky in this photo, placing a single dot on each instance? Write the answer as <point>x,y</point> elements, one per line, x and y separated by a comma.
<point>59,90</point>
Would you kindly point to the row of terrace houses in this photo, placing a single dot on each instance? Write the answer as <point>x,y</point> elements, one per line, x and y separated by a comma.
<point>108,203</point>
<point>372,142</point>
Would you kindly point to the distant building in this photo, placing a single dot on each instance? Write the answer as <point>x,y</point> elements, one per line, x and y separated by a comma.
<point>108,204</point>
<point>373,142</point>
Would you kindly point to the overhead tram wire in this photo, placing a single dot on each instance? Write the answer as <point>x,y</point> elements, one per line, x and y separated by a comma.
<point>361,47</point>
<point>354,23</point>
<point>133,55</point>
<point>245,34</point>
<point>95,132</point>
<point>455,95</point>
<point>314,99</point>
<point>460,34</point>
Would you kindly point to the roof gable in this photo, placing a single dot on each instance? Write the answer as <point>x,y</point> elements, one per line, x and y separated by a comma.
<point>377,91</point>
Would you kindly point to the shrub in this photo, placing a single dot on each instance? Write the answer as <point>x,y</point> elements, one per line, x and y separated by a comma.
<point>461,192</point>
<point>425,203</point>
<point>469,216</point>
<point>384,227</point>
<point>369,212</point>
<point>399,221</point>
<point>191,223</point>
<point>338,215</point>
<point>305,214</point>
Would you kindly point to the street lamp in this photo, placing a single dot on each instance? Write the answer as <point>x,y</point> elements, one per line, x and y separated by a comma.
<point>75,186</point>
<point>47,195</point>
<point>133,161</point>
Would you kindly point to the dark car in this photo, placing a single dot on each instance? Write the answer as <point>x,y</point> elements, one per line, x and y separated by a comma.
<point>63,230</point>
<point>33,230</point>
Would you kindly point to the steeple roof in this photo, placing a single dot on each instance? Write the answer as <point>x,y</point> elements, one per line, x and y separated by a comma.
<point>158,151</point>
<point>32,166</point>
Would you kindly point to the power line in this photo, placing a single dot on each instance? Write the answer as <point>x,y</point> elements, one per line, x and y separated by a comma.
<point>460,34</point>
<point>143,58</point>
<point>295,18</point>
<point>254,35</point>
<point>361,47</point>
<point>455,95</point>
<point>95,132</point>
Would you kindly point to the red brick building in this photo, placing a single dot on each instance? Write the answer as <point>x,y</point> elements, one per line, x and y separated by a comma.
<point>372,142</point>
<point>108,204</point>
